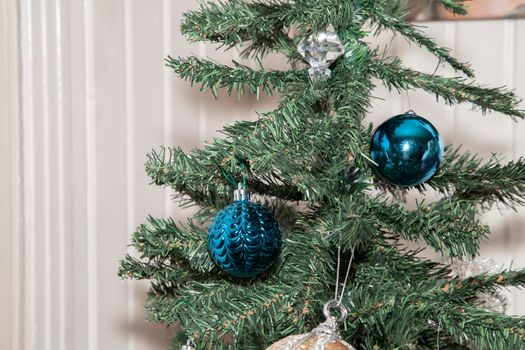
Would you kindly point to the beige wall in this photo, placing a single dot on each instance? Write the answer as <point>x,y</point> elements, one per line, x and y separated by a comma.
<point>96,97</point>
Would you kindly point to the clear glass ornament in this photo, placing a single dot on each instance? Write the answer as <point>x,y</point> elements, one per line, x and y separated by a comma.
<point>324,337</point>
<point>470,268</point>
<point>320,50</point>
<point>493,302</point>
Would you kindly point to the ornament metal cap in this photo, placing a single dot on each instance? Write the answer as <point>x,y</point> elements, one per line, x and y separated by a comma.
<point>189,346</point>
<point>241,194</point>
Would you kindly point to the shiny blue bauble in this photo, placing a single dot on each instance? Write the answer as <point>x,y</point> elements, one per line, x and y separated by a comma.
<point>244,239</point>
<point>407,149</point>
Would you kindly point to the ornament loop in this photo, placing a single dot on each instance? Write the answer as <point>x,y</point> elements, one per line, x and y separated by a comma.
<point>334,304</point>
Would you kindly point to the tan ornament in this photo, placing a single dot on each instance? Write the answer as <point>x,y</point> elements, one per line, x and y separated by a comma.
<point>324,337</point>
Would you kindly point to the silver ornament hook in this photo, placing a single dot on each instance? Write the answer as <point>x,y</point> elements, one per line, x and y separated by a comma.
<point>241,194</point>
<point>335,304</point>
<point>189,345</point>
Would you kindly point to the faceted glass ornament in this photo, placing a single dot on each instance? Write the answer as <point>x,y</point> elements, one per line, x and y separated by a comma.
<point>484,265</point>
<point>244,239</point>
<point>470,268</point>
<point>324,337</point>
<point>494,302</point>
<point>407,150</point>
<point>321,49</point>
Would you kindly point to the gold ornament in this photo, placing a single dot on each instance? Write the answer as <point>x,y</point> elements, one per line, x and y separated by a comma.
<point>325,337</point>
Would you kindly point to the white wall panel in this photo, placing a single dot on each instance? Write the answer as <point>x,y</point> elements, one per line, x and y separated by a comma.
<point>77,109</point>
<point>10,303</point>
<point>107,196</point>
<point>145,127</point>
<point>96,97</point>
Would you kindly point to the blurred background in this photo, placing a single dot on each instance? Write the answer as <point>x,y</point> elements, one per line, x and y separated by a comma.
<point>84,95</point>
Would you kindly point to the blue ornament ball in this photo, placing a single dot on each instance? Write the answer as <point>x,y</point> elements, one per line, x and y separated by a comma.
<point>407,150</point>
<point>244,239</point>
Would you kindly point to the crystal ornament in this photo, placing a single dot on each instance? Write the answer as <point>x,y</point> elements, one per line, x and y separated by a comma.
<point>319,76</point>
<point>244,238</point>
<point>325,337</point>
<point>320,50</point>
<point>470,268</point>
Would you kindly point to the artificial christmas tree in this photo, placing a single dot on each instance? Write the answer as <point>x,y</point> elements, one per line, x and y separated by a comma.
<point>309,162</point>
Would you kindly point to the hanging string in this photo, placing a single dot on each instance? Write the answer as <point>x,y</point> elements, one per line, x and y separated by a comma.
<point>346,276</point>
<point>339,299</point>
<point>337,271</point>
<point>408,101</point>
<point>438,333</point>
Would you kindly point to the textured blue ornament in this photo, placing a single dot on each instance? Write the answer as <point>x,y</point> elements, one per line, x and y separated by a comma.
<point>407,149</point>
<point>244,239</point>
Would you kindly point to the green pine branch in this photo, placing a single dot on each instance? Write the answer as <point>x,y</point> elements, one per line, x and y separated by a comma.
<point>449,226</point>
<point>397,319</point>
<point>387,301</point>
<point>303,141</point>
<point>482,329</point>
<point>211,311</point>
<point>467,177</point>
<point>404,265</point>
<point>484,283</point>
<point>452,90</point>
<point>239,78</point>
<point>234,22</point>
<point>455,6</point>
<point>389,15</point>
<point>162,272</point>
<point>162,241</point>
